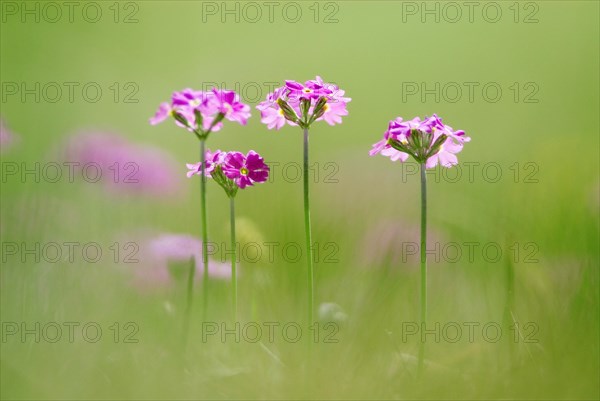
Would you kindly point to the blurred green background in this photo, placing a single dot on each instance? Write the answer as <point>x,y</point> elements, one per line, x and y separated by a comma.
<point>374,50</point>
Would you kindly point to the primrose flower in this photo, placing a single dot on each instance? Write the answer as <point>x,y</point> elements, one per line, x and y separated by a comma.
<point>212,159</point>
<point>302,104</point>
<point>202,112</point>
<point>245,170</point>
<point>165,259</point>
<point>228,103</point>
<point>428,141</point>
<point>132,168</point>
<point>232,170</point>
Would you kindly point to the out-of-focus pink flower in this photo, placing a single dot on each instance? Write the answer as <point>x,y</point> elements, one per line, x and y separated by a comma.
<point>166,257</point>
<point>7,138</point>
<point>121,166</point>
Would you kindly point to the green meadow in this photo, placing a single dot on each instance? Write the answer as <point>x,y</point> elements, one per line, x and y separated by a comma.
<point>513,279</point>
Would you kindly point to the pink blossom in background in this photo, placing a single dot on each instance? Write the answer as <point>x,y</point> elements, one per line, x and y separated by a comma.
<point>125,167</point>
<point>8,139</point>
<point>159,254</point>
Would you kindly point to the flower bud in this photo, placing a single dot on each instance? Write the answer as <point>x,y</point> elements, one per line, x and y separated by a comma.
<point>217,120</point>
<point>320,108</point>
<point>400,146</point>
<point>228,185</point>
<point>288,112</point>
<point>180,118</point>
<point>437,145</point>
<point>199,118</point>
<point>304,106</point>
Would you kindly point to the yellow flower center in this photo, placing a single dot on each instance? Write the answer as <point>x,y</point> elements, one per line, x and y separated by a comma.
<point>228,109</point>
<point>244,171</point>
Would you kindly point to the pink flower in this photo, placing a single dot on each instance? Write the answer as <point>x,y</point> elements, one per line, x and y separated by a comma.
<point>433,143</point>
<point>228,103</point>
<point>273,117</point>
<point>163,112</point>
<point>211,161</point>
<point>236,169</point>
<point>446,156</point>
<point>334,112</point>
<point>7,138</point>
<point>245,170</point>
<point>165,257</point>
<point>123,167</point>
<point>331,110</point>
<point>310,90</point>
<point>211,107</point>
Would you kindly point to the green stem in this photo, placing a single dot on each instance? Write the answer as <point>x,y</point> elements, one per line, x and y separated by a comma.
<point>309,253</point>
<point>204,231</point>
<point>233,259</point>
<point>190,294</point>
<point>423,265</point>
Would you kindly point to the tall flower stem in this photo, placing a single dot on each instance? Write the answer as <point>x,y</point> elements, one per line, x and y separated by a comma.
<point>423,265</point>
<point>233,259</point>
<point>307,228</point>
<point>204,230</point>
<point>189,298</point>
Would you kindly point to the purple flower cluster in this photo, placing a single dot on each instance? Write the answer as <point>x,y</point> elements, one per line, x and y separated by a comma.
<point>203,112</point>
<point>232,170</point>
<point>163,256</point>
<point>122,166</point>
<point>302,104</point>
<point>429,141</point>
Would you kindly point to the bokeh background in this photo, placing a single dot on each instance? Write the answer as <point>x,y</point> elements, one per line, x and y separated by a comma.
<point>540,134</point>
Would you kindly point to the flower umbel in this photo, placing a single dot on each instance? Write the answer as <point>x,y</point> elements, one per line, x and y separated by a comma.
<point>203,112</point>
<point>302,104</point>
<point>428,141</point>
<point>232,170</point>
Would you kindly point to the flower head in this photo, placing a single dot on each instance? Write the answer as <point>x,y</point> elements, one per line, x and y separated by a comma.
<point>228,103</point>
<point>245,170</point>
<point>212,159</point>
<point>232,170</point>
<point>126,168</point>
<point>428,141</point>
<point>302,104</point>
<point>166,257</point>
<point>202,112</point>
